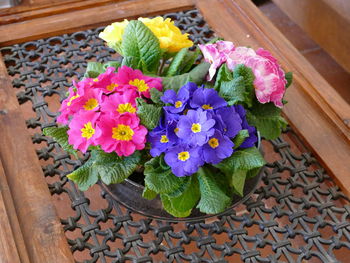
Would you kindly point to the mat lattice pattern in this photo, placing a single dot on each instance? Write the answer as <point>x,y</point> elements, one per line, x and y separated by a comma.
<point>296,215</point>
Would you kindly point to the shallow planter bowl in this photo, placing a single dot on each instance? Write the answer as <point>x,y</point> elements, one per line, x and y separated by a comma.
<point>129,194</point>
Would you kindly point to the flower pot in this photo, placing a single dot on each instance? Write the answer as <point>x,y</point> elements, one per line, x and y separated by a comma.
<point>129,194</point>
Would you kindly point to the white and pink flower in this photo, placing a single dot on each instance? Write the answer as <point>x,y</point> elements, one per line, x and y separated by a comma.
<point>216,54</point>
<point>269,80</point>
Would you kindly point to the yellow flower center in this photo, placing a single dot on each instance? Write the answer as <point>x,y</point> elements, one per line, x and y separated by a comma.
<point>87,132</point>
<point>196,127</point>
<point>122,133</point>
<point>126,107</point>
<point>71,99</point>
<point>164,139</point>
<point>140,84</point>
<point>112,86</point>
<point>176,130</point>
<point>178,104</point>
<point>91,104</point>
<point>95,80</point>
<point>213,142</point>
<point>207,107</point>
<point>183,156</point>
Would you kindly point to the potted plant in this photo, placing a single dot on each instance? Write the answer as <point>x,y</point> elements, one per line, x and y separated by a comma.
<point>185,130</point>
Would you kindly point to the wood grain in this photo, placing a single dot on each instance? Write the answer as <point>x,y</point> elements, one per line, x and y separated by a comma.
<point>42,231</point>
<point>8,248</point>
<point>10,230</point>
<point>29,5</point>
<point>325,21</point>
<point>84,19</point>
<point>315,110</point>
<point>25,12</point>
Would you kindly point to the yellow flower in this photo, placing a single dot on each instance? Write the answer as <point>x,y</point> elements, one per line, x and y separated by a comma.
<point>113,33</point>
<point>170,37</point>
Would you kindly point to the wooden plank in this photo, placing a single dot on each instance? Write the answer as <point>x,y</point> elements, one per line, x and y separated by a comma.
<point>84,19</point>
<point>315,110</point>
<point>10,228</point>
<point>30,5</point>
<point>41,228</point>
<point>325,21</point>
<point>22,13</point>
<point>8,249</point>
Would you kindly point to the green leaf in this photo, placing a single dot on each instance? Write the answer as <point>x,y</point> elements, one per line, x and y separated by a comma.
<point>116,46</point>
<point>176,82</point>
<point>94,69</point>
<point>59,134</point>
<point>191,58</point>
<point>156,95</point>
<point>196,75</point>
<point>242,160</point>
<point>253,172</point>
<point>176,63</point>
<point>289,78</point>
<point>224,74</point>
<point>148,193</point>
<point>182,62</point>
<point>238,90</point>
<point>181,189</point>
<point>131,62</point>
<point>213,199</point>
<point>242,71</point>
<point>267,119</point>
<point>84,177</point>
<point>168,206</point>
<point>115,64</point>
<point>241,164</point>
<point>238,180</point>
<point>160,179</point>
<point>113,169</point>
<point>139,42</point>
<point>240,138</point>
<point>234,91</point>
<point>149,114</point>
<point>181,205</point>
<point>110,167</point>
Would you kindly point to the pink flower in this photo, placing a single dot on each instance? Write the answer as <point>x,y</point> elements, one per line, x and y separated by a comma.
<point>88,98</point>
<point>107,81</point>
<point>65,109</point>
<point>83,131</point>
<point>269,80</point>
<point>117,103</point>
<point>135,79</point>
<point>121,134</point>
<point>216,54</point>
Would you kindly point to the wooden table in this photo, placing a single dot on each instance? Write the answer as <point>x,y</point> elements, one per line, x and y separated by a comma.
<point>31,229</point>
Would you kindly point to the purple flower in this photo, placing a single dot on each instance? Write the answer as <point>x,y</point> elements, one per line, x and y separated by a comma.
<point>207,99</point>
<point>183,160</point>
<point>217,148</point>
<point>228,121</point>
<point>252,139</point>
<point>195,128</point>
<point>163,136</point>
<point>178,101</point>
<point>190,87</point>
